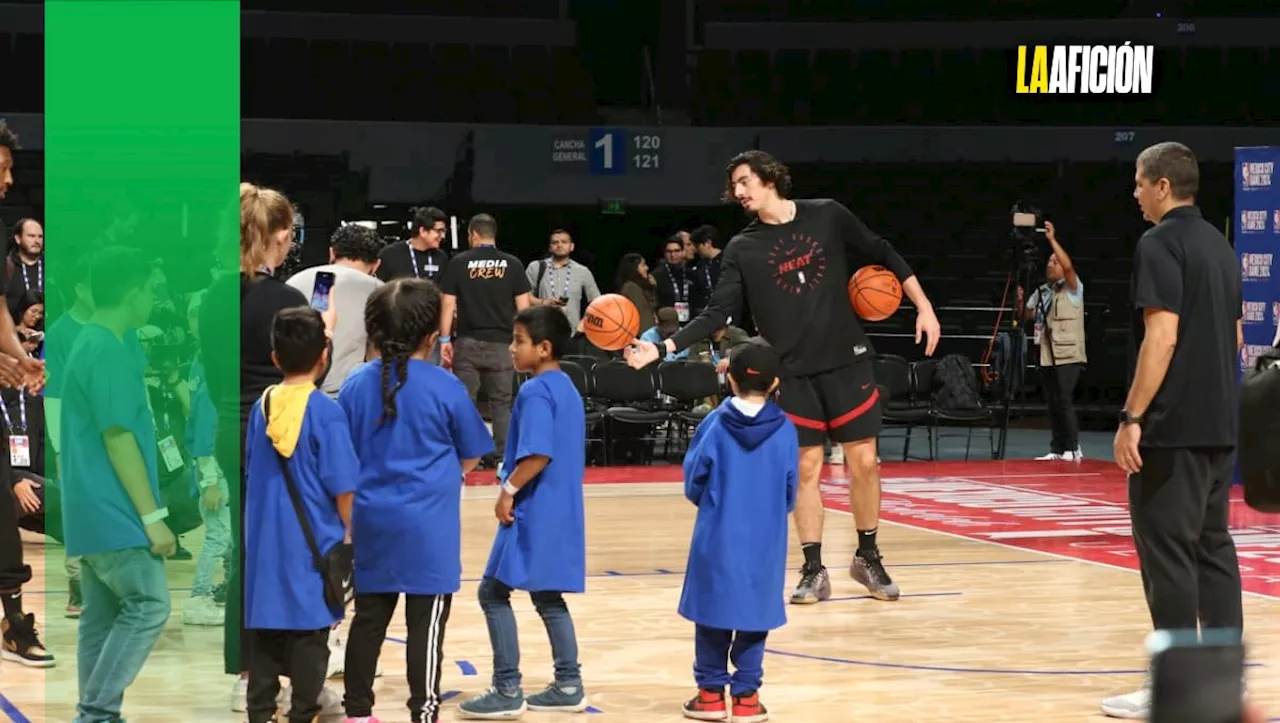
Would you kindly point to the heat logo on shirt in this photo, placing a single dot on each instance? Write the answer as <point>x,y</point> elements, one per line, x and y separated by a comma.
<point>1256,174</point>
<point>487,268</point>
<point>1253,312</point>
<point>1255,266</point>
<point>799,263</point>
<point>1253,221</point>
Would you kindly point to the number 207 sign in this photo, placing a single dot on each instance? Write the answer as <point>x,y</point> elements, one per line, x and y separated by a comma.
<point>616,152</point>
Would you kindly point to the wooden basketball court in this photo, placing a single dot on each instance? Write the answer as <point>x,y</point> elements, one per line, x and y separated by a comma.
<point>1019,603</point>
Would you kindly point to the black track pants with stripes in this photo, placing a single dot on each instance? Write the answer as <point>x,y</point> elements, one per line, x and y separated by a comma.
<point>426,616</point>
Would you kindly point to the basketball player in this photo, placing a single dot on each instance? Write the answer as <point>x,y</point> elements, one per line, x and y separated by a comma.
<point>792,264</point>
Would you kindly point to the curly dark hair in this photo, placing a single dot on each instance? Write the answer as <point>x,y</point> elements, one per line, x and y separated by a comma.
<point>400,316</point>
<point>768,168</point>
<point>356,243</point>
<point>8,139</point>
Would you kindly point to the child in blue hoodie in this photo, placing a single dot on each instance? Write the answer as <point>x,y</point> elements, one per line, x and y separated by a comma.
<point>741,472</point>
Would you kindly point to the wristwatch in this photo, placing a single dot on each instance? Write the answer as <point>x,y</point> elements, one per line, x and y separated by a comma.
<point>1126,418</point>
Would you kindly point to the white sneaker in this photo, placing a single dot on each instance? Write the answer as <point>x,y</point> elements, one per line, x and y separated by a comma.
<point>1079,455</point>
<point>338,656</point>
<point>1132,706</point>
<point>837,455</point>
<point>202,610</point>
<point>330,702</point>
<point>1051,457</point>
<point>239,696</point>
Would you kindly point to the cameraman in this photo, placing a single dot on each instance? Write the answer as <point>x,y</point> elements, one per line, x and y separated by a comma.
<point>1058,309</point>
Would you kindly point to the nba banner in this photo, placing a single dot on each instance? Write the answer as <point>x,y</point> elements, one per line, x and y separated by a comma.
<point>1256,234</point>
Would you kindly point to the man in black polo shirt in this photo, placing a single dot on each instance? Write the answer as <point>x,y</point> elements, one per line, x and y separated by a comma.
<point>486,287</point>
<point>1177,432</point>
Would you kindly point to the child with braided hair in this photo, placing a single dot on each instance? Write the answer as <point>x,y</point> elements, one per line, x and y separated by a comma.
<point>416,433</point>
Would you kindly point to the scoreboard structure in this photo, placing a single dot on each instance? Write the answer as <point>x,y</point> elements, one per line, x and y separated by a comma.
<point>608,152</point>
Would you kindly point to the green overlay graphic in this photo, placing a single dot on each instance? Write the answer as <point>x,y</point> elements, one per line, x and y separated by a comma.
<point>142,139</point>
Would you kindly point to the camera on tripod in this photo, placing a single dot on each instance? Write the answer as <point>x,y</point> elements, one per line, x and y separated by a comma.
<point>1027,231</point>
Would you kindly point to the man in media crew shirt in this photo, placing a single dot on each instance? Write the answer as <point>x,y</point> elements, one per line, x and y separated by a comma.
<point>560,281</point>
<point>421,256</point>
<point>1177,433</point>
<point>486,287</point>
<point>1058,309</point>
<point>676,280</point>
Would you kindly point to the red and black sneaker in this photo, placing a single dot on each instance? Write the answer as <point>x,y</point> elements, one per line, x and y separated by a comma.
<point>707,705</point>
<point>747,708</point>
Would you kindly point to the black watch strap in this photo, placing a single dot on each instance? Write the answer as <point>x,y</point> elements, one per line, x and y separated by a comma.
<point>1127,418</point>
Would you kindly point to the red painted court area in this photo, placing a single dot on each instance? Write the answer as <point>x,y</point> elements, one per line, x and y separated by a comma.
<point>1076,511</point>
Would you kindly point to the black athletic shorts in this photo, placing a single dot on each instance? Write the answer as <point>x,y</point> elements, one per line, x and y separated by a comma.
<point>843,404</point>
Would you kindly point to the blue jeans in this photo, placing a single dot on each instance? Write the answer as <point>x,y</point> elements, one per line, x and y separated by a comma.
<point>126,604</point>
<point>714,649</point>
<point>217,543</point>
<point>495,601</point>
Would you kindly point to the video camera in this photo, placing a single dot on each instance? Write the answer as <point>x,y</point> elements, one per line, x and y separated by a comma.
<point>1027,231</point>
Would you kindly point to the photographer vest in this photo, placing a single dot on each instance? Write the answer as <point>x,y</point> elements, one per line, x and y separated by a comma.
<point>1062,335</point>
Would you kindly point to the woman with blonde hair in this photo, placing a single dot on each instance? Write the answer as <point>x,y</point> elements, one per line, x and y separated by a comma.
<point>266,237</point>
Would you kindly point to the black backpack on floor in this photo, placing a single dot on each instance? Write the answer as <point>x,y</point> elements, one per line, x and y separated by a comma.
<point>1259,454</point>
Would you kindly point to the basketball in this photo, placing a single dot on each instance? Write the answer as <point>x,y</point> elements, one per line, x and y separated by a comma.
<point>875,293</point>
<point>611,322</point>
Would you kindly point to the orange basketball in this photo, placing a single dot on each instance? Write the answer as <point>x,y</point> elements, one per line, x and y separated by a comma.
<point>611,322</point>
<point>875,293</point>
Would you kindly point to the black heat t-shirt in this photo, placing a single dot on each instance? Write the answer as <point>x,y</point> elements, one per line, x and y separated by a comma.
<point>1185,265</point>
<point>486,282</point>
<point>795,276</point>
<point>401,260</point>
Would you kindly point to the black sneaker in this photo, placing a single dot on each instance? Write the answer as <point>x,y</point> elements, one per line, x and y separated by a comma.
<point>180,553</point>
<point>22,645</point>
<point>868,569</point>
<point>814,587</point>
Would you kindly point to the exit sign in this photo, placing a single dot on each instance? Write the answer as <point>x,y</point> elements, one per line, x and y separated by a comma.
<point>613,207</point>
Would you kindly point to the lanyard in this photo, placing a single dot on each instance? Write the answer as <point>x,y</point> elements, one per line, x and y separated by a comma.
<point>568,279</point>
<point>706,270</point>
<point>26,280</point>
<point>413,256</point>
<point>680,290</point>
<point>22,413</point>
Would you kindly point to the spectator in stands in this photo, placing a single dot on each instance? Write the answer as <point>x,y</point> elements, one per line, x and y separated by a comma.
<point>707,265</point>
<point>266,237</point>
<point>24,267</point>
<point>668,324</point>
<point>486,287</point>
<point>676,282</point>
<point>560,281</point>
<point>690,250</point>
<point>1058,309</point>
<point>634,281</point>
<point>30,321</point>
<point>353,259</point>
<point>716,349</point>
<point>421,256</point>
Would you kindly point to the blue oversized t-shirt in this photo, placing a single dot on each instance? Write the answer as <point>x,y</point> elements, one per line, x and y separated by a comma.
<point>406,522</point>
<point>545,548</point>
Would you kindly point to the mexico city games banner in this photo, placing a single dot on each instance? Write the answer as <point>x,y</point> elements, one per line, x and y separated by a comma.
<point>1256,232</point>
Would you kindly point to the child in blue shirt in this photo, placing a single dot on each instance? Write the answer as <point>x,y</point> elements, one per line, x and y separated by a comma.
<point>541,541</point>
<point>285,610</point>
<point>740,471</point>
<point>416,433</point>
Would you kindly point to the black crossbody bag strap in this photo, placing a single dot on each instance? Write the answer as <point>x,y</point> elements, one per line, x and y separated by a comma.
<point>317,558</point>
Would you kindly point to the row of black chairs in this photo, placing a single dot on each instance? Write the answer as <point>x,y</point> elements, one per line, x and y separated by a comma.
<point>634,405</point>
<point>664,403</point>
<point>907,404</point>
